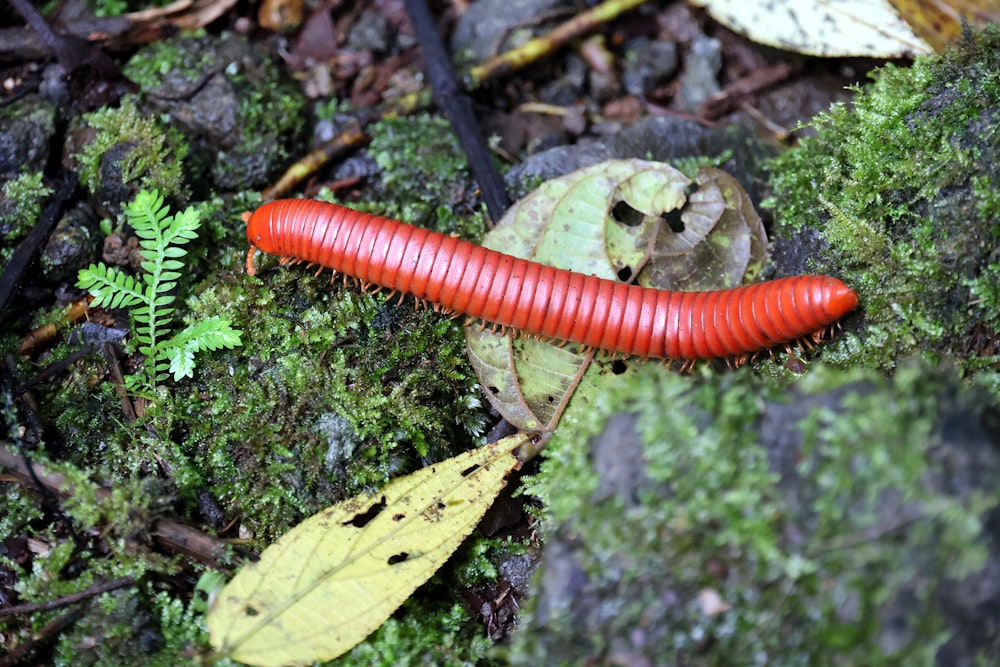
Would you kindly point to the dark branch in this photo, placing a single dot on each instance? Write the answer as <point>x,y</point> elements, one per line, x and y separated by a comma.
<point>457,106</point>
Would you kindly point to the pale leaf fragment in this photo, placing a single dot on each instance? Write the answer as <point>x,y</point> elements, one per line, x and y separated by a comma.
<point>830,28</point>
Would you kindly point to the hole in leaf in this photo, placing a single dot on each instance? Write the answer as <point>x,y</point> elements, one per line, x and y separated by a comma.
<point>618,367</point>
<point>493,389</point>
<point>625,274</point>
<point>626,214</point>
<point>398,558</point>
<point>673,220</point>
<point>362,520</point>
<point>250,611</point>
<point>468,471</point>
<point>398,517</point>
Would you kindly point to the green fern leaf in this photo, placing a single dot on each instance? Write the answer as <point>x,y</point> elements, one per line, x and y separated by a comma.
<point>161,371</point>
<point>150,297</point>
<point>110,287</point>
<point>146,214</point>
<point>137,386</point>
<point>182,362</point>
<point>183,227</point>
<point>211,334</point>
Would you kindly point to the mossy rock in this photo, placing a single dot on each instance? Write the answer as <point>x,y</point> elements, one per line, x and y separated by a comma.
<point>904,186</point>
<point>241,115</point>
<point>718,520</point>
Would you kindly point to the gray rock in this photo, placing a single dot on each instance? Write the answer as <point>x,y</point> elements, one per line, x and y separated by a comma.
<point>488,25</point>
<point>26,128</point>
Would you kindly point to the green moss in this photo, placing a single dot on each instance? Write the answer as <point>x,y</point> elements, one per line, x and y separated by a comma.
<point>152,154</point>
<point>904,187</point>
<point>169,56</point>
<point>689,166</point>
<point>16,511</point>
<point>249,144</point>
<point>147,629</point>
<point>335,392</point>
<point>425,633</point>
<point>272,108</point>
<point>425,178</point>
<point>809,519</point>
<point>150,628</point>
<point>20,207</point>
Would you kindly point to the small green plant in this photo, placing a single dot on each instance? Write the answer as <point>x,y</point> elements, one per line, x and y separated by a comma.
<point>150,154</point>
<point>150,297</point>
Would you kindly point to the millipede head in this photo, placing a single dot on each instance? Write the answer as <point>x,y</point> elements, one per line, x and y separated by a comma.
<point>258,232</point>
<point>839,299</point>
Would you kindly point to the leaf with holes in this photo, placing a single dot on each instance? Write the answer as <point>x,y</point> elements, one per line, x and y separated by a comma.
<point>733,252</point>
<point>329,582</point>
<point>630,220</point>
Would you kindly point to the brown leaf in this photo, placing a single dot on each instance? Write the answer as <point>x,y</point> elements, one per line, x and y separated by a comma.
<point>940,22</point>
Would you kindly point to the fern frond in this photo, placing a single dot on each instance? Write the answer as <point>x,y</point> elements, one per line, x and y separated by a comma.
<point>182,362</point>
<point>182,228</point>
<point>211,334</point>
<point>146,214</point>
<point>110,287</point>
<point>150,298</point>
<point>136,385</point>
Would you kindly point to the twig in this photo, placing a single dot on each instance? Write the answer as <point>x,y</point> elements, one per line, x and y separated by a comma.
<point>871,535</point>
<point>25,651</point>
<point>733,94</point>
<point>192,89</point>
<point>53,369</point>
<point>347,140</point>
<point>351,138</point>
<point>167,532</point>
<point>111,352</point>
<point>539,47</point>
<point>49,499</point>
<point>13,273</point>
<point>456,105</point>
<point>71,51</point>
<point>66,600</point>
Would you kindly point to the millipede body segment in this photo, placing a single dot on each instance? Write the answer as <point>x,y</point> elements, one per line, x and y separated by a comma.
<point>553,303</point>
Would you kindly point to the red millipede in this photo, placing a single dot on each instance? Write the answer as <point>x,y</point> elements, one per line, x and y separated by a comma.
<point>552,303</point>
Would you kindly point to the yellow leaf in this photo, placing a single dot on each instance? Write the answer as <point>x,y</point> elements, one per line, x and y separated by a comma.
<point>329,582</point>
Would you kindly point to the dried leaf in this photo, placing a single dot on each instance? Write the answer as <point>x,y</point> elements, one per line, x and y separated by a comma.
<point>940,22</point>
<point>609,220</point>
<point>182,15</point>
<point>600,220</point>
<point>732,254</point>
<point>527,381</point>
